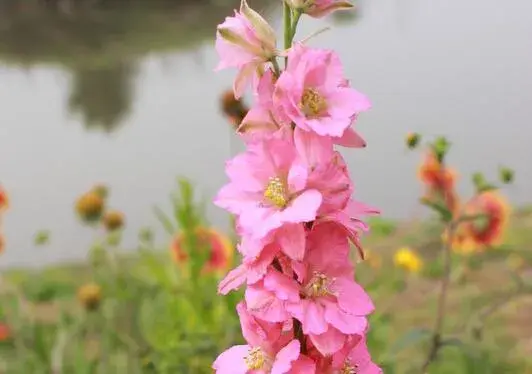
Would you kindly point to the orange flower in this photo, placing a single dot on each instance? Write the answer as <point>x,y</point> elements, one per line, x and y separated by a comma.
<point>5,332</point>
<point>462,242</point>
<point>439,181</point>
<point>4,200</point>
<point>220,248</point>
<point>488,230</point>
<point>435,175</point>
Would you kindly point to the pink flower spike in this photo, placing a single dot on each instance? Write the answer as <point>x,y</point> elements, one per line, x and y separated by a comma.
<point>312,93</point>
<point>245,41</point>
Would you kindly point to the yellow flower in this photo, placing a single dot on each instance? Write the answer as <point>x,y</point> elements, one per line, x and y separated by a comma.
<point>90,206</point>
<point>407,259</point>
<point>113,220</point>
<point>90,295</point>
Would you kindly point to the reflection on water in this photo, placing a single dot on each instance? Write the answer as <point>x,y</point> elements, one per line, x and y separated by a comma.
<point>142,78</point>
<point>102,96</point>
<point>100,44</point>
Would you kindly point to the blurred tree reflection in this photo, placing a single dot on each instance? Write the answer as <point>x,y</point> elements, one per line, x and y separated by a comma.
<point>102,96</point>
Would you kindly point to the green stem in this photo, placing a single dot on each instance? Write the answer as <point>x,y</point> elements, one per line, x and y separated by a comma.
<point>287,22</point>
<point>293,26</point>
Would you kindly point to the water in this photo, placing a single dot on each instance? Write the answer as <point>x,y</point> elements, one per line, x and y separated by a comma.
<point>129,98</point>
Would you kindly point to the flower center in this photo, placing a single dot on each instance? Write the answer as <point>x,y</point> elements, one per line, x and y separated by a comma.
<point>256,359</point>
<point>312,103</point>
<point>349,368</point>
<point>275,193</point>
<point>319,285</point>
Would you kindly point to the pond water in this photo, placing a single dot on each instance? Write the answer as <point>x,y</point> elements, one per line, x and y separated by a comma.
<point>130,99</point>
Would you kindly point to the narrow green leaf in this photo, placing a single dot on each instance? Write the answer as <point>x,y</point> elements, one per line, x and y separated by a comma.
<point>165,220</point>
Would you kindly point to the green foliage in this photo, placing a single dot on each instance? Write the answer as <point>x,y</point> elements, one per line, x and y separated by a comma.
<point>155,316</point>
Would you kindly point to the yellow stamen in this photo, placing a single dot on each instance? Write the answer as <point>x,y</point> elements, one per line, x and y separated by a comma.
<point>349,368</point>
<point>319,286</point>
<point>312,103</point>
<point>255,360</point>
<point>275,193</point>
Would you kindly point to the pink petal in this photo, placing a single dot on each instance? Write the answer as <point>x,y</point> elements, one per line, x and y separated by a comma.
<point>285,357</point>
<point>303,365</point>
<point>329,126</point>
<point>329,342</point>
<point>303,208</point>
<point>282,286</point>
<point>233,280</point>
<point>265,305</point>
<point>232,360</point>
<point>313,320</point>
<point>297,177</point>
<point>314,149</point>
<point>350,139</point>
<point>244,78</point>
<point>346,323</point>
<point>352,298</point>
<point>292,239</point>
<point>346,102</point>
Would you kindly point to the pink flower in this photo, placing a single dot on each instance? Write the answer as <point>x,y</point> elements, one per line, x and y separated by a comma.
<point>332,303</point>
<point>245,41</point>
<point>320,8</point>
<point>350,219</point>
<point>313,94</point>
<point>268,298</point>
<point>328,170</point>
<point>354,356</point>
<point>258,255</point>
<point>260,122</point>
<point>267,188</point>
<point>267,351</point>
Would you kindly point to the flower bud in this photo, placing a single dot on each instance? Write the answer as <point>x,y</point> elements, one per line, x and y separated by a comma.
<point>113,220</point>
<point>412,140</point>
<point>506,175</point>
<point>90,206</point>
<point>319,8</point>
<point>249,32</point>
<point>89,296</point>
<point>441,147</point>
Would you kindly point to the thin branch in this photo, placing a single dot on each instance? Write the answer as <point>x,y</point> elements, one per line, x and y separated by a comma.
<point>442,299</point>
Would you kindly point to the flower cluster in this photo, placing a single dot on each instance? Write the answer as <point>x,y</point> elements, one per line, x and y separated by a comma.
<point>488,205</point>
<point>291,194</point>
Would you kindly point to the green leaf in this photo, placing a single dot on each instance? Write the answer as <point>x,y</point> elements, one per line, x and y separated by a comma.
<point>445,214</point>
<point>165,221</point>
<point>410,338</point>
